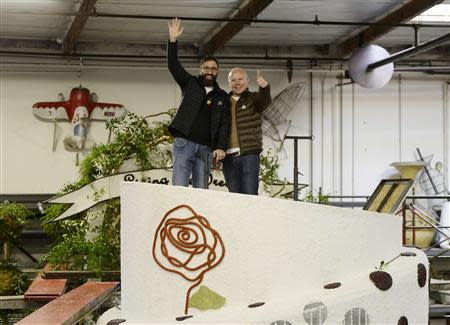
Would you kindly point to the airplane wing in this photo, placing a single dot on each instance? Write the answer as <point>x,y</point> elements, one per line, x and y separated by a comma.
<point>106,111</point>
<point>50,110</point>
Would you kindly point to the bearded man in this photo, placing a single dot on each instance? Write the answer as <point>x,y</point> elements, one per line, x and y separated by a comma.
<point>201,124</point>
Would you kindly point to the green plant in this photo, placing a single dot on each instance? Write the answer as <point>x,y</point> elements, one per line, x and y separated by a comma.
<point>12,282</point>
<point>75,246</point>
<point>268,172</point>
<point>58,230</point>
<point>105,248</point>
<point>319,198</point>
<point>13,217</point>
<point>134,137</point>
<point>382,266</point>
<point>76,249</point>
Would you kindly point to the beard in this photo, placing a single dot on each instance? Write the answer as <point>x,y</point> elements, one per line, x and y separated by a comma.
<point>208,82</point>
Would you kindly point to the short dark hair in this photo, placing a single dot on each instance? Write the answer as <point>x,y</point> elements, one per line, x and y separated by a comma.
<point>209,58</point>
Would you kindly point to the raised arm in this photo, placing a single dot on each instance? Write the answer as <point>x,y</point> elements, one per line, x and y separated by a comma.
<point>175,29</point>
<point>176,69</point>
<point>263,98</point>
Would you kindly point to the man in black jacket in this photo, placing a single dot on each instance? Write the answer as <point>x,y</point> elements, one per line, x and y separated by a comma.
<point>201,124</point>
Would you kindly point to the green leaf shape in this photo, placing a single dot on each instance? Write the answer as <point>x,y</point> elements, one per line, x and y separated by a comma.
<point>205,299</point>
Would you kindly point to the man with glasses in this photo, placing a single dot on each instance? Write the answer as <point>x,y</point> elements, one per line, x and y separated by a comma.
<point>201,125</point>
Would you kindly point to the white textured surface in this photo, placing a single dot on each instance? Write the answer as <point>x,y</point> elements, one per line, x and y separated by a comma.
<point>277,251</point>
<point>110,314</point>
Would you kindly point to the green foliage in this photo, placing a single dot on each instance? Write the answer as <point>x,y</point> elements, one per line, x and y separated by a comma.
<point>58,230</point>
<point>205,299</point>
<point>382,266</point>
<point>75,249</point>
<point>105,248</point>
<point>69,253</point>
<point>12,280</point>
<point>319,198</point>
<point>268,171</point>
<point>13,217</point>
<point>134,137</point>
<point>92,240</point>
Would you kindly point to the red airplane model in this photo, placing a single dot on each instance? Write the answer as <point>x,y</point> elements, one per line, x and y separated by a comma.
<point>81,106</point>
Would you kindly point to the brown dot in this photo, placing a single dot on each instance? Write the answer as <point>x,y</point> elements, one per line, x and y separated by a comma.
<point>333,285</point>
<point>421,275</point>
<point>381,279</point>
<point>256,304</point>
<point>402,321</point>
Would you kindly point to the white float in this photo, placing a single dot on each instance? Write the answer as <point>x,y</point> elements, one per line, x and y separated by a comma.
<point>275,262</point>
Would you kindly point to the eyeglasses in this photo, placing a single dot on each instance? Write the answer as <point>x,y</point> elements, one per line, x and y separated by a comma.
<point>212,69</point>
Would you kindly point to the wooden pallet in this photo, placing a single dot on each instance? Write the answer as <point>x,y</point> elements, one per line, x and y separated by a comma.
<point>73,305</point>
<point>45,290</point>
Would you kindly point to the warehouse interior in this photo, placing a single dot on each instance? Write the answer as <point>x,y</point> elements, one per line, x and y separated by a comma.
<point>335,139</point>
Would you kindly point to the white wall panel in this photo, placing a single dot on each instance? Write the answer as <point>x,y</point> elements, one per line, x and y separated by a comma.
<point>423,118</point>
<point>329,131</point>
<point>346,143</point>
<point>376,138</point>
<point>28,163</point>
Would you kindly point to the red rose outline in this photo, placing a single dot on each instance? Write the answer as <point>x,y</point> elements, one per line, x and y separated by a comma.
<point>181,235</point>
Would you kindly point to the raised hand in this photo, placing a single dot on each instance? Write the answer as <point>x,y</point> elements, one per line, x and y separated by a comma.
<point>175,29</point>
<point>260,80</point>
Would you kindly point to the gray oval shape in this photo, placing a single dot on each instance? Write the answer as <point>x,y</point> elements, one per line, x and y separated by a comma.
<point>356,316</point>
<point>280,322</point>
<point>315,313</point>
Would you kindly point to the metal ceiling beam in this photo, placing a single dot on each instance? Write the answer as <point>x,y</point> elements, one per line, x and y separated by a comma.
<point>164,56</point>
<point>316,21</point>
<point>411,51</point>
<point>77,26</point>
<point>133,50</point>
<point>252,9</point>
<point>24,44</point>
<point>370,34</point>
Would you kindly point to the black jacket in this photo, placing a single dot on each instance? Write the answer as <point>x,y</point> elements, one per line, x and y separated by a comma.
<point>193,97</point>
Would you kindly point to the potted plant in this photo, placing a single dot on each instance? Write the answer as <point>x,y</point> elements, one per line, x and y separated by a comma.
<point>13,217</point>
<point>319,198</point>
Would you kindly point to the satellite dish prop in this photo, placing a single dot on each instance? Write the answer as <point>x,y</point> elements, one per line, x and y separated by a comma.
<point>358,67</point>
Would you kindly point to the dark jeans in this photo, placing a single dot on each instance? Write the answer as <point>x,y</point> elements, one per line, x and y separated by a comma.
<point>242,173</point>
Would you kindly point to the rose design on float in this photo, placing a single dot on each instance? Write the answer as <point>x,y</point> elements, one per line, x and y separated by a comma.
<point>187,246</point>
